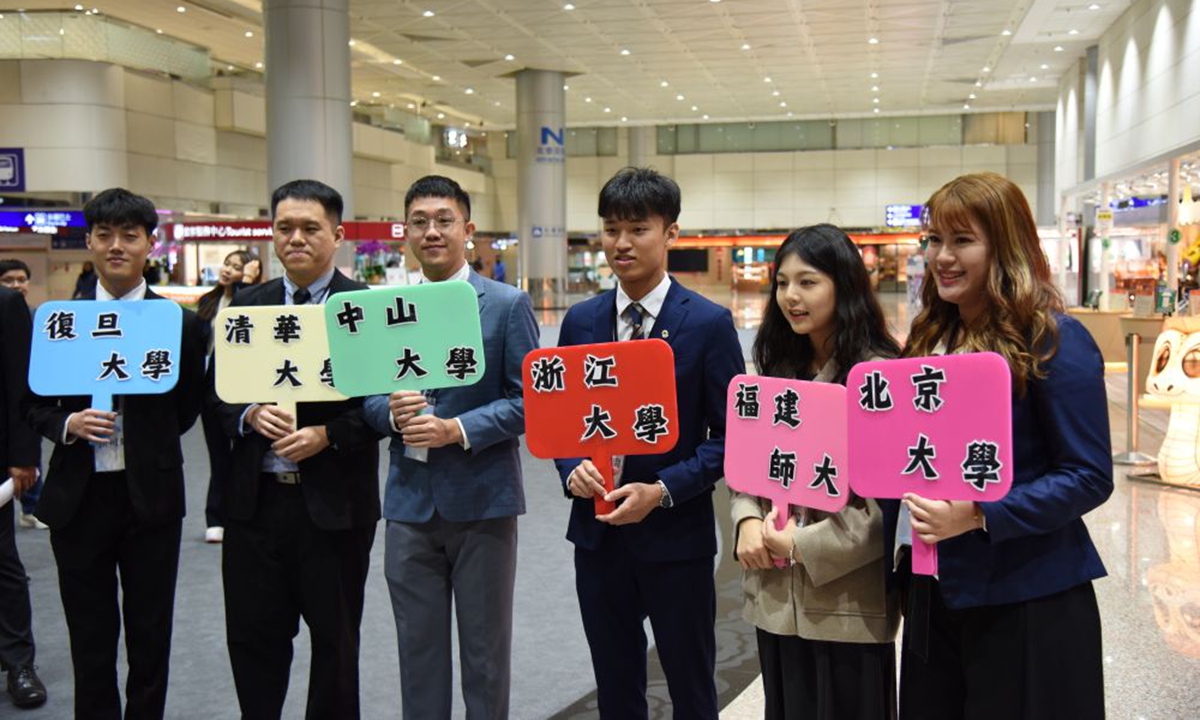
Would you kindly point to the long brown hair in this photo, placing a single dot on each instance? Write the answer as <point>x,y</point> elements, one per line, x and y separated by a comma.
<point>206,306</point>
<point>1018,322</point>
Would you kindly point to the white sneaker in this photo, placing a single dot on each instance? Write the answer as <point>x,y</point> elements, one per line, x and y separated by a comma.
<point>214,535</point>
<point>29,521</point>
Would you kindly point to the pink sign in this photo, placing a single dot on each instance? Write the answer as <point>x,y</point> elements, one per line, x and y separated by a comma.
<point>785,440</point>
<point>939,427</point>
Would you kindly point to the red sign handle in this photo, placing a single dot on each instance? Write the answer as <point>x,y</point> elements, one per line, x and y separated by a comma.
<point>604,464</point>
<point>924,557</point>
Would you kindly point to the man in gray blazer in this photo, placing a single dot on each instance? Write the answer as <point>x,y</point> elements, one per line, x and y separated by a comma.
<point>454,487</point>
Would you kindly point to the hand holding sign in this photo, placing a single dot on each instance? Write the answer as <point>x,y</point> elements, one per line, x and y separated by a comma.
<point>274,354</point>
<point>937,427</point>
<point>598,401</point>
<point>786,442</point>
<point>422,337</point>
<point>105,348</point>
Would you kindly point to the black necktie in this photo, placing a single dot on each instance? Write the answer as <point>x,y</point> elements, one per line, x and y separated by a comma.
<point>301,296</point>
<point>636,315</point>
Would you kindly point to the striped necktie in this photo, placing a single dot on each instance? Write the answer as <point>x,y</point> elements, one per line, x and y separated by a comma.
<point>636,315</point>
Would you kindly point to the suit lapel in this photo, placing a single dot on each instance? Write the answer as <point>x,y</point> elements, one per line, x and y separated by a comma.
<point>480,289</point>
<point>605,321</point>
<point>674,311</point>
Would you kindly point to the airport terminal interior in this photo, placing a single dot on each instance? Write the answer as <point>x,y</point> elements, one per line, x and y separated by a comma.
<point>770,115</point>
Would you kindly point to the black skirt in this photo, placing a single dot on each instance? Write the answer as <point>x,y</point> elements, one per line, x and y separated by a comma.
<point>818,680</point>
<point>1039,659</point>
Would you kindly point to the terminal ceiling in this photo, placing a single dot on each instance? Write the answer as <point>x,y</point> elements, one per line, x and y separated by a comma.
<point>665,61</point>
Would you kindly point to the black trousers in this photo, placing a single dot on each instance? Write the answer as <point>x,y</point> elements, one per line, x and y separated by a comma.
<point>279,568</point>
<point>819,680</point>
<point>16,620</point>
<point>617,592</point>
<point>220,462</point>
<point>1035,660</point>
<point>102,540</point>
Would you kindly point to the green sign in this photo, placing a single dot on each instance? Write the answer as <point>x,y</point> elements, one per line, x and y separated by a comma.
<point>1164,302</point>
<point>419,337</point>
<point>1105,243</point>
<point>1174,236</point>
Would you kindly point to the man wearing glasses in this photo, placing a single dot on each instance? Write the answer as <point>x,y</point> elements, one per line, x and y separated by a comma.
<point>454,489</point>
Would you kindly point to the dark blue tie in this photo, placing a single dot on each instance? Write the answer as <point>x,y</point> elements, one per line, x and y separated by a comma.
<point>301,297</point>
<point>636,315</point>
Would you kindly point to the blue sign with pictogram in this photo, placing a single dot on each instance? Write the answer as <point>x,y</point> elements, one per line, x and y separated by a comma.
<point>12,169</point>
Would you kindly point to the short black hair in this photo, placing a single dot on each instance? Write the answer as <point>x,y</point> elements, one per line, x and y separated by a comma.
<point>10,264</point>
<point>438,186</point>
<point>313,190</point>
<point>638,193</point>
<point>120,208</point>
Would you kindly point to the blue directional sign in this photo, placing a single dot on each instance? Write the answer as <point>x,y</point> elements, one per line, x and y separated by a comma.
<point>902,216</point>
<point>46,222</point>
<point>103,349</point>
<point>12,169</point>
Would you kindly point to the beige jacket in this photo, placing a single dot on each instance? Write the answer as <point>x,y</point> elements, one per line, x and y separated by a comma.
<point>837,591</point>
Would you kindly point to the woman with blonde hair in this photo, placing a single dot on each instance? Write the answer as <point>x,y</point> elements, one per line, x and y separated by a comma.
<point>1009,628</point>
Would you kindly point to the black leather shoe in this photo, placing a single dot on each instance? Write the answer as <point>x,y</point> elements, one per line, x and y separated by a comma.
<point>26,688</point>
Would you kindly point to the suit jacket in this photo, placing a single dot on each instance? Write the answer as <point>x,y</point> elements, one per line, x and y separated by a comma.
<point>19,444</point>
<point>707,356</point>
<point>340,483</point>
<point>1036,543</point>
<point>836,593</point>
<point>485,481</point>
<point>153,425</point>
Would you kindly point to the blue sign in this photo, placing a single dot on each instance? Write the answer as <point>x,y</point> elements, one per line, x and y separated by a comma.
<point>551,149</point>
<point>548,134</point>
<point>103,349</point>
<point>902,216</point>
<point>46,222</point>
<point>12,169</point>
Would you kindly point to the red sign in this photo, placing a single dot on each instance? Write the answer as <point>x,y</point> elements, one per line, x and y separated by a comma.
<point>601,400</point>
<point>254,230</point>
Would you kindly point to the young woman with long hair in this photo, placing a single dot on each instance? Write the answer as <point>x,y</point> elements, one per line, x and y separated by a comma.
<point>219,445</point>
<point>826,623</point>
<point>1009,628</point>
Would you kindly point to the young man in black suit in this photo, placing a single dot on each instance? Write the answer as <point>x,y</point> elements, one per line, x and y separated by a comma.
<point>120,511</point>
<point>20,451</point>
<point>303,498</point>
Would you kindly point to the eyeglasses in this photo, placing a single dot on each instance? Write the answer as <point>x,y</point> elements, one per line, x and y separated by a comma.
<point>418,226</point>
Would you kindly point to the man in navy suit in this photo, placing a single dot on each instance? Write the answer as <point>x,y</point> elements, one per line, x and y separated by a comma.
<point>454,489</point>
<point>653,556</point>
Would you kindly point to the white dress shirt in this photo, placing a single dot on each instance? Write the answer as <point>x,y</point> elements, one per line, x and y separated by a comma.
<point>651,304</point>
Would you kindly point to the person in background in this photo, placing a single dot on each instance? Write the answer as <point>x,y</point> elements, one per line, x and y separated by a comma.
<point>20,451</point>
<point>16,275</point>
<point>252,272</point>
<point>219,456</point>
<point>85,284</point>
<point>1009,627</point>
<point>825,622</point>
<point>499,272</point>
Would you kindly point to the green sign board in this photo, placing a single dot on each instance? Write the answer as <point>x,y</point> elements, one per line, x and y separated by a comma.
<point>1174,236</point>
<point>419,337</point>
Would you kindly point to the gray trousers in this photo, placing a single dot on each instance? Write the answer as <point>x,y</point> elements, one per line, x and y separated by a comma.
<point>474,564</point>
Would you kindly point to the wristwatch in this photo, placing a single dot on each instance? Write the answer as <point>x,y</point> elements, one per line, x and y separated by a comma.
<point>664,501</point>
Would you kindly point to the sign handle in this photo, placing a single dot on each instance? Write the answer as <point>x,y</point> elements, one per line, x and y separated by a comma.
<point>924,557</point>
<point>782,513</point>
<point>603,463</point>
<point>103,403</point>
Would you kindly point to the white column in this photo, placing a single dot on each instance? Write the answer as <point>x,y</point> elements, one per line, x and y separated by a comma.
<point>542,186</point>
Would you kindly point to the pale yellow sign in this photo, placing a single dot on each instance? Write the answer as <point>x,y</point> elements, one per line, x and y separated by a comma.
<point>274,354</point>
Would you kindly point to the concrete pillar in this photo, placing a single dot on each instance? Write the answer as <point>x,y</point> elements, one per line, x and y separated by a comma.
<point>1091,82</point>
<point>643,145</point>
<point>1045,169</point>
<point>308,97</point>
<point>1103,230</point>
<point>542,187</point>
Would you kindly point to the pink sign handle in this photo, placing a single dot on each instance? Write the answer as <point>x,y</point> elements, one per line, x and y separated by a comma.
<point>604,464</point>
<point>924,557</point>
<point>782,513</point>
